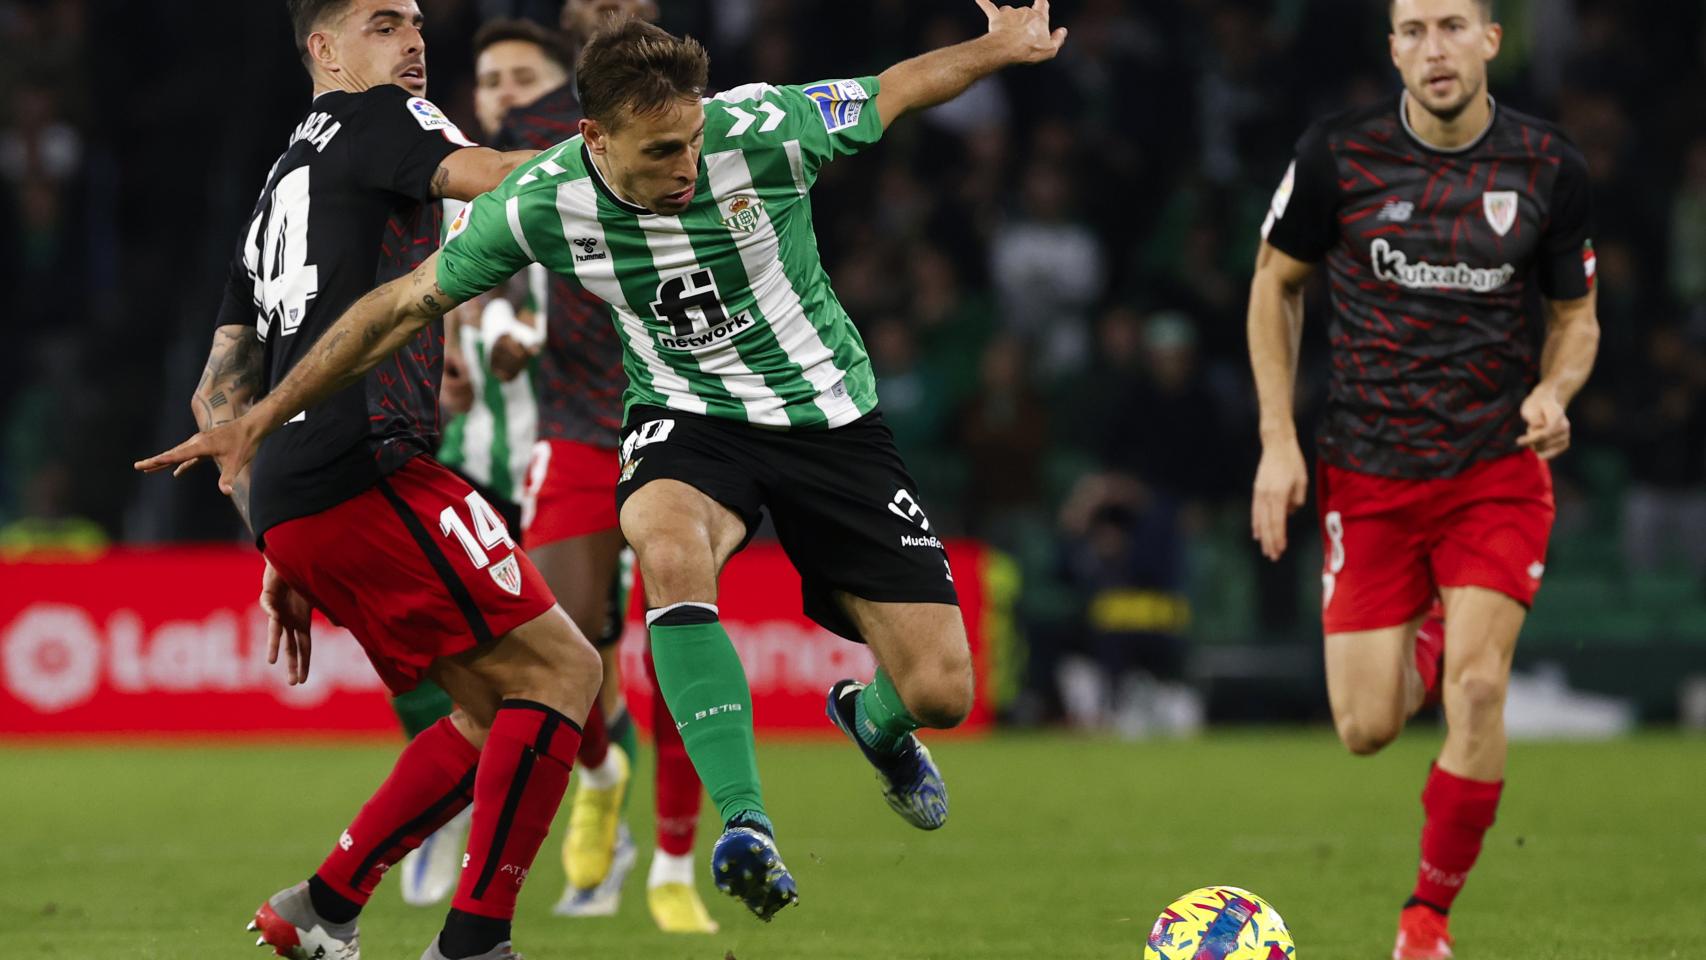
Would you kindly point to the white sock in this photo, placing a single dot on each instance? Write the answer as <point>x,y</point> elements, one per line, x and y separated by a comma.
<point>670,868</point>
<point>604,776</point>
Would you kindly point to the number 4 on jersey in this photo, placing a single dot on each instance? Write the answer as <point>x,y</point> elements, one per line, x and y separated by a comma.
<point>276,256</point>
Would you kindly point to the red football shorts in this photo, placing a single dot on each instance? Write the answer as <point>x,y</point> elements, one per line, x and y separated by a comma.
<point>1390,543</point>
<point>417,567</point>
<point>571,492</point>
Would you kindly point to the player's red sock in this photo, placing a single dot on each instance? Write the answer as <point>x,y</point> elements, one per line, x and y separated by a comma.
<point>1430,653</point>
<point>523,772</point>
<point>1459,811</point>
<point>595,739</point>
<point>679,792</point>
<point>432,782</point>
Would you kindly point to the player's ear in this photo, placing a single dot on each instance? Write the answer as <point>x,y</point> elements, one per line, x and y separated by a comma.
<point>322,51</point>
<point>593,134</point>
<point>1493,36</point>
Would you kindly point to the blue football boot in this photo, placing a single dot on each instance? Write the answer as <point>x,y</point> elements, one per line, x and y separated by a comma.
<point>911,783</point>
<point>746,865</point>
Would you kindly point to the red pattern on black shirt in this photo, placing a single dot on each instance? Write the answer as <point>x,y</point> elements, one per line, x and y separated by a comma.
<point>1435,325</point>
<point>580,378</point>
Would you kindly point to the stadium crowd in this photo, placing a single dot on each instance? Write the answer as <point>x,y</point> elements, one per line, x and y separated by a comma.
<point>1050,273</point>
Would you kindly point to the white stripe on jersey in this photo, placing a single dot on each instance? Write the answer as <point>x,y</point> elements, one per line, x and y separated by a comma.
<point>796,165</point>
<point>777,299</point>
<point>512,211</point>
<point>577,205</point>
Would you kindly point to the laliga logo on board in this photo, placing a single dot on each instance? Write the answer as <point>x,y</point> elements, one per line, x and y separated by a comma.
<point>55,657</point>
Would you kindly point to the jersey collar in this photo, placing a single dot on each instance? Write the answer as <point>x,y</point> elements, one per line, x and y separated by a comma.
<point>604,188</point>
<point>1404,118</point>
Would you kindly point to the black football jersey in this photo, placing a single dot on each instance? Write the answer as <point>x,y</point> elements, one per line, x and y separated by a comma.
<point>1436,261</point>
<point>347,206</point>
<point>580,380</point>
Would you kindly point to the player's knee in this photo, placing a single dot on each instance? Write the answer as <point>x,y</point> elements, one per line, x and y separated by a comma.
<point>1475,694</point>
<point>941,697</point>
<point>1364,734</point>
<point>564,675</point>
<point>674,567</point>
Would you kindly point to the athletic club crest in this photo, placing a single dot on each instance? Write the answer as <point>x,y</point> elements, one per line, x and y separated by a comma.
<point>1500,208</point>
<point>506,573</point>
<point>740,213</point>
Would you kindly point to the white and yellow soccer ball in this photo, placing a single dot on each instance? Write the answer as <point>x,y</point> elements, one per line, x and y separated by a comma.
<point>1219,923</point>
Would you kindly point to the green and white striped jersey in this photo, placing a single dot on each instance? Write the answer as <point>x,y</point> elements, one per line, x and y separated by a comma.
<point>725,308</point>
<point>493,442</point>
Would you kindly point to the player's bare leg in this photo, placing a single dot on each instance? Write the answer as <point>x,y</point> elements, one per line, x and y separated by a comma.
<point>1372,684</point>
<point>580,571</point>
<point>924,679</point>
<point>1463,789</point>
<point>518,701</point>
<point>682,538</point>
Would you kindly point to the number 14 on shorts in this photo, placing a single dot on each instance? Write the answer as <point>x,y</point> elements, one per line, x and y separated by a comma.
<point>489,532</point>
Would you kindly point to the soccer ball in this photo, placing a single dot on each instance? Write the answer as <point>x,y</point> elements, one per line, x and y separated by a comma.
<point>1219,923</point>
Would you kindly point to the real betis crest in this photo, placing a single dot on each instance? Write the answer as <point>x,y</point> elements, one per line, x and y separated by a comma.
<point>740,213</point>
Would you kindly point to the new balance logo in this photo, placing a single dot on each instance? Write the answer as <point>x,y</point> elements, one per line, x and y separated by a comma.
<point>1397,211</point>
<point>589,250</point>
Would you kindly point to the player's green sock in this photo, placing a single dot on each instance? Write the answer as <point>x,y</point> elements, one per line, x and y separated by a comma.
<point>880,717</point>
<point>421,707</point>
<point>621,730</point>
<point>702,680</point>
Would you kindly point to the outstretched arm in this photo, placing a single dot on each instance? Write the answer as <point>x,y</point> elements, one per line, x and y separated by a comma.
<point>368,332</point>
<point>471,171</point>
<point>228,386</point>
<point>1016,35</point>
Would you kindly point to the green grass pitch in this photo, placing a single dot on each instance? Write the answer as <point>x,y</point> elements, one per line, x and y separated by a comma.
<point>1058,847</point>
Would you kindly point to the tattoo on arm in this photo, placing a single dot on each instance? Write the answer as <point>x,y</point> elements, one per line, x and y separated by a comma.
<point>440,180</point>
<point>229,384</point>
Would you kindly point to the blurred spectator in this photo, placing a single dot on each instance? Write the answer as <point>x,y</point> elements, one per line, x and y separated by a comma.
<point>1166,415</point>
<point>1047,268</point>
<point>47,525</point>
<point>1003,432</point>
<point>1665,511</point>
<point>1123,553</point>
<point>1688,229</point>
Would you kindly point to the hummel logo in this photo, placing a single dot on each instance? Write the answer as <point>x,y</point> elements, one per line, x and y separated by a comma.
<point>589,248</point>
<point>1397,211</point>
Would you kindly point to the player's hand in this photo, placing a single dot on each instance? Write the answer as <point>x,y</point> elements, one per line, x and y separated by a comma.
<point>456,392</point>
<point>1282,482</point>
<point>1024,31</point>
<point>289,617</point>
<point>509,358</point>
<point>1548,428</point>
<point>231,445</point>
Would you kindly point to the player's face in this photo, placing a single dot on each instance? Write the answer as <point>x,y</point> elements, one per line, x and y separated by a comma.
<point>653,158</point>
<point>510,74</point>
<point>378,42</point>
<point>1441,48</point>
<point>583,17</point>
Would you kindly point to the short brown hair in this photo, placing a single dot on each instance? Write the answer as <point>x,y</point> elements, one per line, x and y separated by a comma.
<point>504,30</point>
<point>1485,5</point>
<point>633,67</point>
<point>305,15</point>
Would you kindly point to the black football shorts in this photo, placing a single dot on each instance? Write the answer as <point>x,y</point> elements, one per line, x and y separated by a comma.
<point>845,509</point>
